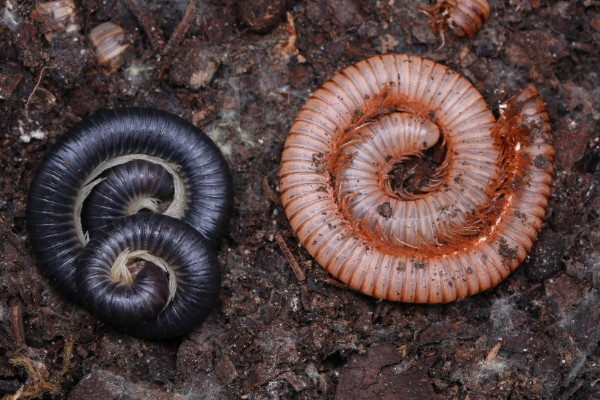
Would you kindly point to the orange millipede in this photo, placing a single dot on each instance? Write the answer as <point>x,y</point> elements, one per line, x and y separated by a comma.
<point>469,224</point>
<point>464,17</point>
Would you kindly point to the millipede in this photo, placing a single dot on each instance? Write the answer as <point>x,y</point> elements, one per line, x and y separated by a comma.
<point>460,225</point>
<point>463,17</point>
<point>156,274</point>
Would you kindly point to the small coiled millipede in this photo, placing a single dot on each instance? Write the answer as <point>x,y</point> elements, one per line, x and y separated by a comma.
<point>464,17</point>
<point>471,224</point>
<point>155,274</point>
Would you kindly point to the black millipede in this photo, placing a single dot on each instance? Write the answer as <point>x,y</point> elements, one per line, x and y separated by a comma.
<point>87,167</point>
<point>177,284</point>
<point>127,189</point>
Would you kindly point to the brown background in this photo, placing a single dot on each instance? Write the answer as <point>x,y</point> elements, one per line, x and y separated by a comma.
<point>241,71</point>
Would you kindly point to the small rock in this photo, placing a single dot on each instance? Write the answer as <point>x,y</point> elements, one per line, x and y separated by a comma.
<point>68,59</point>
<point>9,79</point>
<point>195,65</point>
<point>577,269</point>
<point>546,256</point>
<point>368,30</point>
<point>345,13</point>
<point>295,381</point>
<point>225,370</point>
<point>261,15</point>
<point>422,33</point>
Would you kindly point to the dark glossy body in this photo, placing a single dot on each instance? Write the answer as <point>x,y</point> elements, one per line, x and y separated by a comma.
<point>123,185</point>
<point>51,221</point>
<point>194,264</point>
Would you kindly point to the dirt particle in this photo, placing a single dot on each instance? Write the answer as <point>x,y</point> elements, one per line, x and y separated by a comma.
<point>522,216</point>
<point>541,161</point>
<point>506,251</point>
<point>432,116</point>
<point>420,265</point>
<point>195,65</point>
<point>261,15</point>
<point>319,162</point>
<point>385,210</point>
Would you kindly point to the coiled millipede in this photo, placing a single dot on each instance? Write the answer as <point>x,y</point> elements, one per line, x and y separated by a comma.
<point>464,17</point>
<point>463,228</point>
<point>108,41</point>
<point>154,274</point>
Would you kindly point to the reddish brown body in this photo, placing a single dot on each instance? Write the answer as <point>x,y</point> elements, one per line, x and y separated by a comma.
<point>464,17</point>
<point>473,223</point>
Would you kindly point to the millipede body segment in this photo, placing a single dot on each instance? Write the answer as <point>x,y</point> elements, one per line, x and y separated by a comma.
<point>464,17</point>
<point>464,226</point>
<point>120,163</point>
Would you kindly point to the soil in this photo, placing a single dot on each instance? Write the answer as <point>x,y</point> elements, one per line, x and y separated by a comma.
<point>241,70</point>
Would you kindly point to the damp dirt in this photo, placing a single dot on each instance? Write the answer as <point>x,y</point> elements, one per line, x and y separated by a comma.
<point>284,328</point>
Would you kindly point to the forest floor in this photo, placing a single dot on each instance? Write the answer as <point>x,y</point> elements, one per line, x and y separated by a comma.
<point>241,70</point>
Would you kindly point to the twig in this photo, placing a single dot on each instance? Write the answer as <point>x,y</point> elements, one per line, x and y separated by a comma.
<point>182,28</point>
<point>493,353</point>
<point>293,263</point>
<point>334,282</point>
<point>271,195</point>
<point>44,68</point>
<point>287,45</point>
<point>67,352</point>
<point>39,382</point>
<point>335,37</point>
<point>176,37</point>
<point>140,9</point>
<point>377,311</point>
<point>49,311</point>
<point>18,332</point>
